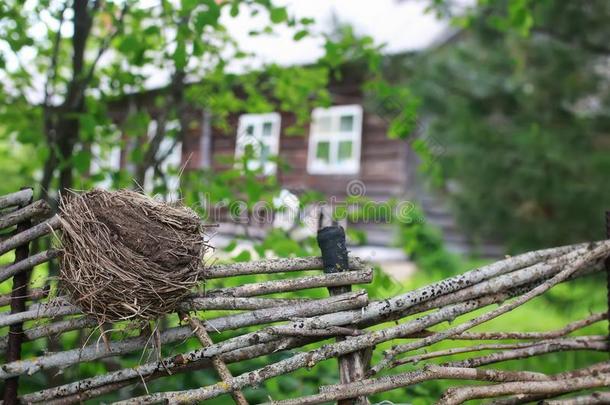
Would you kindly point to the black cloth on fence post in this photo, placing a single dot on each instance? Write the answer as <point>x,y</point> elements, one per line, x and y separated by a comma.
<point>331,241</point>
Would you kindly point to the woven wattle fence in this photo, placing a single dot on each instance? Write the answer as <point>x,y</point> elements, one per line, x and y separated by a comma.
<point>347,322</point>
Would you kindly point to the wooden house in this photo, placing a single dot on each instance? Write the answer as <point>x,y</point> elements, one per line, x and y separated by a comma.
<point>343,151</point>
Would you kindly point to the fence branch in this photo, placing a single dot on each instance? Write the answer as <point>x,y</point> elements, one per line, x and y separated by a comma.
<point>601,397</point>
<point>29,235</point>
<point>22,265</point>
<point>272,266</point>
<point>32,294</point>
<point>35,210</point>
<point>296,284</point>
<point>221,368</point>
<point>20,197</point>
<point>454,396</point>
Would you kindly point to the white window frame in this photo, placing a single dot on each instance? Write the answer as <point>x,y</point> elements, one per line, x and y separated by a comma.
<point>257,139</point>
<point>334,137</point>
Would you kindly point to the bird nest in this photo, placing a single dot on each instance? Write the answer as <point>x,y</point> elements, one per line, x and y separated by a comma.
<point>128,256</point>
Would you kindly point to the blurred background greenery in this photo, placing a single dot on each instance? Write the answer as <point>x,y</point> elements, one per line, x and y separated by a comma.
<point>514,106</point>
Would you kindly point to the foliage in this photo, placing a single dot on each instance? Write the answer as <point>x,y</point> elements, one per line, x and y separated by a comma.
<point>65,66</point>
<point>424,245</point>
<point>523,122</point>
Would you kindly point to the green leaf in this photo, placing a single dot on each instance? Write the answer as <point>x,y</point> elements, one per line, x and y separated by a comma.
<point>278,15</point>
<point>198,47</point>
<point>207,17</point>
<point>136,155</point>
<point>82,161</point>
<point>180,56</point>
<point>128,44</point>
<point>300,35</point>
<point>189,5</point>
<point>243,256</point>
<point>234,9</point>
<point>231,246</point>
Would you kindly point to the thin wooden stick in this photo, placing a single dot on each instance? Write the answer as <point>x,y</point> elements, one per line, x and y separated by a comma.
<point>600,397</point>
<point>197,303</point>
<point>603,367</point>
<point>32,294</point>
<point>22,265</point>
<point>589,343</point>
<point>40,311</point>
<point>192,304</point>
<point>29,235</point>
<point>272,266</point>
<point>454,396</point>
<point>559,345</point>
<point>221,368</point>
<point>37,209</point>
<point>20,197</point>
<point>430,372</point>
<point>53,329</point>
<point>569,328</point>
<point>296,284</point>
<point>462,350</point>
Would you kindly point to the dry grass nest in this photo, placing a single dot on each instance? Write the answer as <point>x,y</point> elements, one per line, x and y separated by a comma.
<point>128,256</point>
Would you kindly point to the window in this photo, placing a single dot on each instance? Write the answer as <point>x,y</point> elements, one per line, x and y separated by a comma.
<point>334,140</point>
<point>262,133</point>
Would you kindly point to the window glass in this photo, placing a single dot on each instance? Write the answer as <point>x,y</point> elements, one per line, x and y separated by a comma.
<point>324,124</point>
<point>345,151</point>
<point>267,126</point>
<point>265,152</point>
<point>250,130</point>
<point>323,151</point>
<point>346,123</point>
